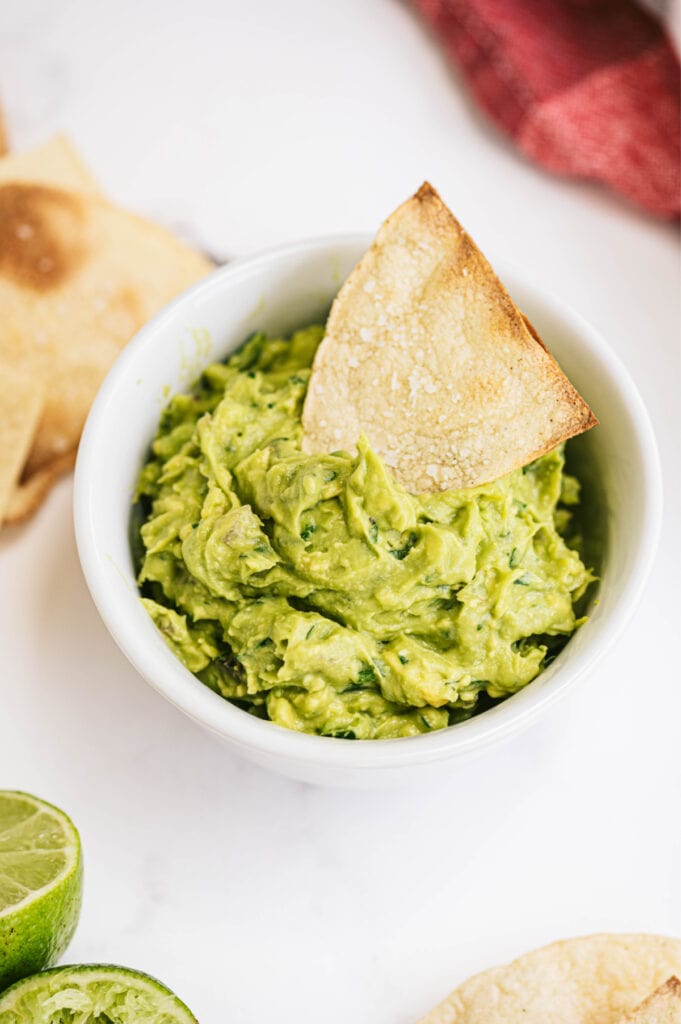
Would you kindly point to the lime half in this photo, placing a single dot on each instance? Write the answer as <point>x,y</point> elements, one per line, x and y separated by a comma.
<point>92,994</point>
<point>41,879</point>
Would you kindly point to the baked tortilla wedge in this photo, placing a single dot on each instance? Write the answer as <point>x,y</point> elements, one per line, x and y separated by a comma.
<point>595,979</point>
<point>426,353</point>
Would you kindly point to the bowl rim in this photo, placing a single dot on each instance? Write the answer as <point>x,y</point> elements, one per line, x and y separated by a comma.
<point>218,715</point>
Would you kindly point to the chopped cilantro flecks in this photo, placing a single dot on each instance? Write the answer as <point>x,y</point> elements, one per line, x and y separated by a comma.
<point>400,553</point>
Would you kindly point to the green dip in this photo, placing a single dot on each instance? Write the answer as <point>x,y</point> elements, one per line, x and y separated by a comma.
<point>314,591</point>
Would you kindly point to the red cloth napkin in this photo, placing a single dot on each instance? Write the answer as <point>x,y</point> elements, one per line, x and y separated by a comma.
<point>587,88</point>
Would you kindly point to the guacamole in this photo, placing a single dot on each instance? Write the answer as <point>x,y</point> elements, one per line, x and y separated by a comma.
<point>314,591</point>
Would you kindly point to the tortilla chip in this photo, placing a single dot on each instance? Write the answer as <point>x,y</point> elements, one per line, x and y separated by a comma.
<point>21,403</point>
<point>54,163</point>
<point>662,1007</point>
<point>78,277</point>
<point>591,980</point>
<point>30,492</point>
<point>427,355</point>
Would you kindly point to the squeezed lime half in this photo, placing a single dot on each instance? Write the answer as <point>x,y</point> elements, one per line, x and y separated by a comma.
<point>92,994</point>
<point>41,880</point>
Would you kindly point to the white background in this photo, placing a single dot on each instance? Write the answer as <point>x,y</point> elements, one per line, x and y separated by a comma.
<point>256,898</point>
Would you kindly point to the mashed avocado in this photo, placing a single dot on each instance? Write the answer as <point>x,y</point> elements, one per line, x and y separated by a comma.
<point>314,591</point>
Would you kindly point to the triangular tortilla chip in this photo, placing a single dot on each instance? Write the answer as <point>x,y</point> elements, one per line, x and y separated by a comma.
<point>54,162</point>
<point>21,402</point>
<point>662,1007</point>
<point>426,353</point>
<point>589,980</point>
<point>78,277</point>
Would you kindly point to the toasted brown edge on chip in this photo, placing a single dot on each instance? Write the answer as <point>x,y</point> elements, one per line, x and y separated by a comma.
<point>663,1006</point>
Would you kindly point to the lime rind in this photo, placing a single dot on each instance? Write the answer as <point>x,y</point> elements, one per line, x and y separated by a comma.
<point>26,821</point>
<point>88,993</point>
<point>40,884</point>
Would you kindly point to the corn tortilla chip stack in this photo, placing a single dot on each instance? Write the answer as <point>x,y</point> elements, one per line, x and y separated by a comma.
<point>54,162</point>
<point>78,277</point>
<point>590,980</point>
<point>426,353</point>
<point>21,403</point>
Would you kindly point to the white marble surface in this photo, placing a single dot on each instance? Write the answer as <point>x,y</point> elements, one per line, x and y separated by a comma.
<point>254,897</point>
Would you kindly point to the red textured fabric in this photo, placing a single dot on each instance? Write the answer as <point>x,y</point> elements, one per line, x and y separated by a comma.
<point>587,88</point>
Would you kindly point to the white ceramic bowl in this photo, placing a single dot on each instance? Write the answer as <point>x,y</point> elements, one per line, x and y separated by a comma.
<point>280,291</point>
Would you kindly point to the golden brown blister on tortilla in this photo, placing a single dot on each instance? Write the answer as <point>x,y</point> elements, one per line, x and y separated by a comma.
<point>31,491</point>
<point>55,163</point>
<point>78,277</point>
<point>589,980</point>
<point>426,353</point>
<point>663,1006</point>
<point>21,402</point>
